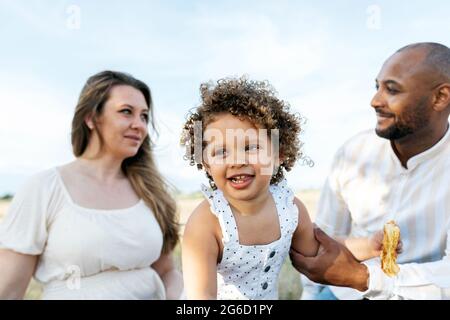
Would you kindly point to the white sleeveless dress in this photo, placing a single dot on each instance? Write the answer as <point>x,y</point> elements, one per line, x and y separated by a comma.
<point>251,271</point>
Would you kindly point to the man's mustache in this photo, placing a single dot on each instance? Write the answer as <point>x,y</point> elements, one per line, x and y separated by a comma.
<point>384,114</point>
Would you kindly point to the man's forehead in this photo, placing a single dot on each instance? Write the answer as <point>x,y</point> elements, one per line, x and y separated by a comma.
<point>404,64</point>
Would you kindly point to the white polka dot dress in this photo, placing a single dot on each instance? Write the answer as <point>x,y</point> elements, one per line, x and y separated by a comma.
<point>251,271</point>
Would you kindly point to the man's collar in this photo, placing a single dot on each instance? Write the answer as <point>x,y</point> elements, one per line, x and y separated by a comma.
<point>423,156</point>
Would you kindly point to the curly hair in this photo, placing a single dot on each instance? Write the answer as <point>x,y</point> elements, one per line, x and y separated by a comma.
<point>255,101</point>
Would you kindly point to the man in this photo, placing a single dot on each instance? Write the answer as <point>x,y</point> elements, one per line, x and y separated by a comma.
<point>399,172</point>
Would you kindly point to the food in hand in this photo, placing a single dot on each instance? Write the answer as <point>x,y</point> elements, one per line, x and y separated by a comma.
<point>391,237</point>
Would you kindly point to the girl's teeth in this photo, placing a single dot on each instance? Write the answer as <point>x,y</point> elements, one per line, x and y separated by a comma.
<point>238,179</point>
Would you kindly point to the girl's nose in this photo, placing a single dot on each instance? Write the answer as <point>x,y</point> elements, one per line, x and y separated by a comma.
<point>240,158</point>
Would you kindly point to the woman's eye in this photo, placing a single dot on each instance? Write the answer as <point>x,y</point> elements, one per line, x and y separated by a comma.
<point>126,111</point>
<point>145,117</point>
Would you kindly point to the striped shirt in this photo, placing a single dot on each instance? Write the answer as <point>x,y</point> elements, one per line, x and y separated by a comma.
<point>367,187</point>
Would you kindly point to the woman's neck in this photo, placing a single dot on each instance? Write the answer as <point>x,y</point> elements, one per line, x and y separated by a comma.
<point>98,163</point>
<point>105,168</point>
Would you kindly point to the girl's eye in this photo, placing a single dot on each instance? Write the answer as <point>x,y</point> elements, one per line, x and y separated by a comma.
<point>219,152</point>
<point>145,117</point>
<point>252,147</point>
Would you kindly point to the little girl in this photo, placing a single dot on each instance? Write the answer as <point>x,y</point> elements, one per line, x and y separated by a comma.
<point>235,241</point>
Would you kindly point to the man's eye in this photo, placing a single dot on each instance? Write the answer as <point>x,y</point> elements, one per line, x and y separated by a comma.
<point>392,90</point>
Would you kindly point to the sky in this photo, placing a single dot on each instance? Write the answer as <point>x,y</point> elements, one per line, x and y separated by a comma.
<point>322,57</point>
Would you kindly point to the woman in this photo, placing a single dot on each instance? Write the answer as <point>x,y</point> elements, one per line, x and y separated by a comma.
<point>104,225</point>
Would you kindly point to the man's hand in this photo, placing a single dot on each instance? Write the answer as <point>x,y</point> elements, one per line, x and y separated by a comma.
<point>376,243</point>
<point>334,264</point>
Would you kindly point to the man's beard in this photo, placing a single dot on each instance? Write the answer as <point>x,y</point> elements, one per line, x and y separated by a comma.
<point>409,123</point>
<point>395,132</point>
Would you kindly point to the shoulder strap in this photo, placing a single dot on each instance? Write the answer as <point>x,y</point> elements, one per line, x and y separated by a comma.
<point>221,209</point>
<point>287,209</point>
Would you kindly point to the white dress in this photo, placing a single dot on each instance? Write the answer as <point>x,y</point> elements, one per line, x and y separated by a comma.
<point>83,253</point>
<point>251,271</point>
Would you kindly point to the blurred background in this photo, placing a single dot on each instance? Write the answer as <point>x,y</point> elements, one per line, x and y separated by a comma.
<point>321,56</point>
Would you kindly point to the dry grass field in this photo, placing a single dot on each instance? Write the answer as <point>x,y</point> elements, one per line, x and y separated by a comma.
<point>289,286</point>
<point>3,206</point>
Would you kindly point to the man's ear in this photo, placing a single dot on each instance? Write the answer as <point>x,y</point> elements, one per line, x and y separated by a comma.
<point>442,97</point>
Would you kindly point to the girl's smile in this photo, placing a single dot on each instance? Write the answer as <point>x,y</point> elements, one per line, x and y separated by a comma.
<point>241,181</point>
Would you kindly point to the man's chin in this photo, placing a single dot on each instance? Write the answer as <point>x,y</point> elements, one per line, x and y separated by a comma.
<point>383,133</point>
<point>392,132</point>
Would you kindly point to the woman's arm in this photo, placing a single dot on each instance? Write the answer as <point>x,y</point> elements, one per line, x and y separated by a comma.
<point>303,239</point>
<point>170,276</point>
<point>16,270</point>
<point>200,251</point>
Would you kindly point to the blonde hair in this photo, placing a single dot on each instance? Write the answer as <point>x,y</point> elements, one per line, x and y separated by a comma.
<point>140,169</point>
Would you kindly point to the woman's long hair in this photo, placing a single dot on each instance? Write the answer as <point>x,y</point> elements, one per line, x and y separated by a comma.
<point>140,169</point>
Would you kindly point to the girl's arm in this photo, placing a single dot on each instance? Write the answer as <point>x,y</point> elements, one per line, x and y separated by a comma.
<point>200,251</point>
<point>303,239</point>
<point>362,248</point>
<point>305,243</point>
<point>170,276</point>
<point>16,270</point>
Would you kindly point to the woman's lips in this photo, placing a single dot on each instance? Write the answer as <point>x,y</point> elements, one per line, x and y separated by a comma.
<point>136,140</point>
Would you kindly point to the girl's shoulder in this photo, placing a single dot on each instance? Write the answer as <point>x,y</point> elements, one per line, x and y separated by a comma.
<point>283,192</point>
<point>202,210</point>
<point>216,200</point>
<point>202,217</point>
<point>300,206</point>
<point>202,226</point>
<point>282,187</point>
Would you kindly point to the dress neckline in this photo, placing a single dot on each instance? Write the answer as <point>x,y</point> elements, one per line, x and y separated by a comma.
<point>272,191</point>
<point>74,204</point>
